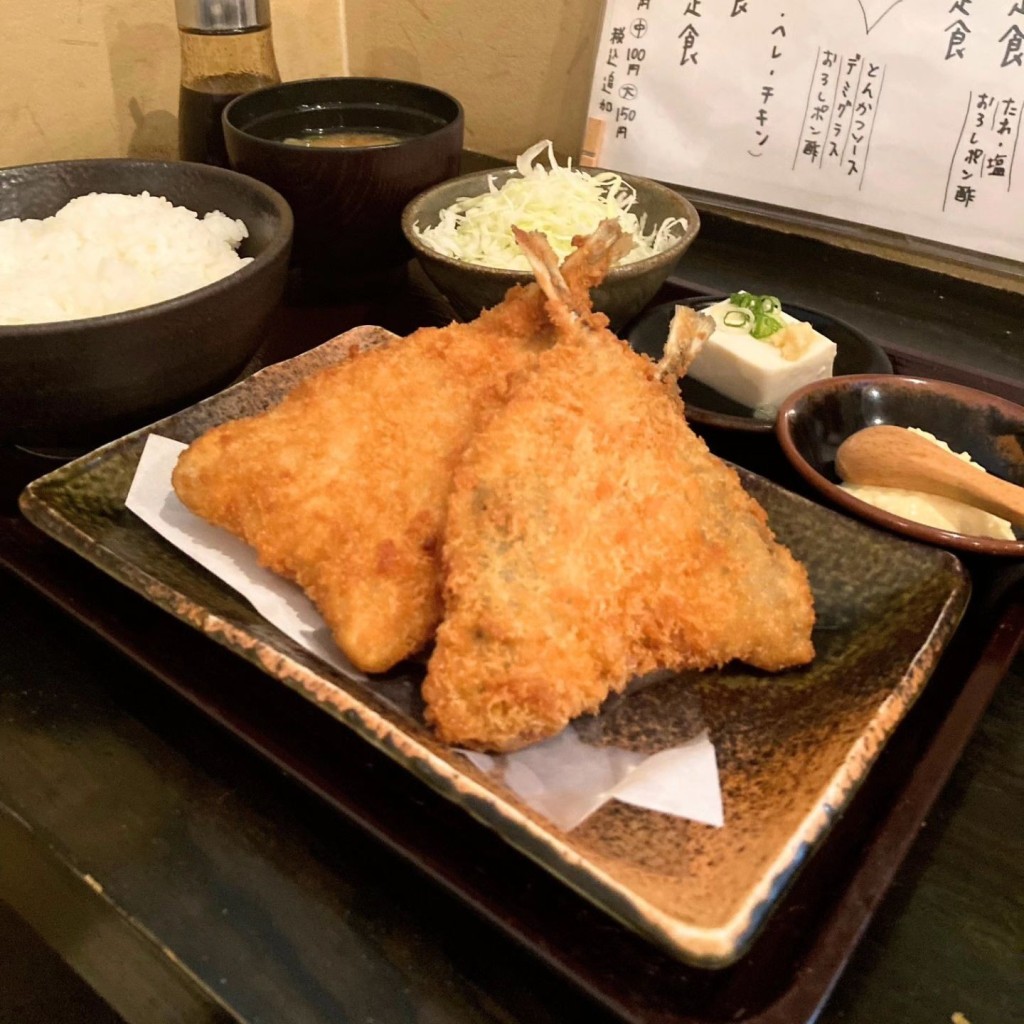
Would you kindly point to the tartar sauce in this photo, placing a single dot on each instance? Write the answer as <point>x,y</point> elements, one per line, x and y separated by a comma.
<point>933,509</point>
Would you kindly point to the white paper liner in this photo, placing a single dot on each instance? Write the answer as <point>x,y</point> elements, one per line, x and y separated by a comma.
<point>563,778</point>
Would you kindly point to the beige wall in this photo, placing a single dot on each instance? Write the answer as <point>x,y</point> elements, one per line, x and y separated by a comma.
<point>520,67</point>
<point>82,78</point>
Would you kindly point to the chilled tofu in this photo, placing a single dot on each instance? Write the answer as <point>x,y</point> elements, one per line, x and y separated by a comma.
<point>756,372</point>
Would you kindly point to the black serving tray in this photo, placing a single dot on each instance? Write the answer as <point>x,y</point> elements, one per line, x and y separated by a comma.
<point>792,967</point>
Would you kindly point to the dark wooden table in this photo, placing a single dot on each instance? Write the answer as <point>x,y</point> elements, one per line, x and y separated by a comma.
<point>189,877</point>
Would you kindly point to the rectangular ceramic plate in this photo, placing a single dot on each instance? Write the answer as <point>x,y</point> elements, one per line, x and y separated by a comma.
<point>792,747</point>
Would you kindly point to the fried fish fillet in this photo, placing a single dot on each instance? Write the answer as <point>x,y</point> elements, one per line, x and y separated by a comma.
<point>344,485</point>
<point>591,537</point>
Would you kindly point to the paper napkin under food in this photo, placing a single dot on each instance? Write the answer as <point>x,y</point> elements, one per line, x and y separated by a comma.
<point>564,778</point>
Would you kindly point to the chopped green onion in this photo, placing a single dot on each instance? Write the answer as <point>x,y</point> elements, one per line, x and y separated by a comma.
<point>765,327</point>
<point>738,318</point>
<point>743,299</point>
<point>758,313</point>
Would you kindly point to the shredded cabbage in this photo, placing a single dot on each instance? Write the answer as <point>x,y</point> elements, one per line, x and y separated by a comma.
<point>560,201</point>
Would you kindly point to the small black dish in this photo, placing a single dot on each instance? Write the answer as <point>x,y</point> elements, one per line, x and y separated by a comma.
<point>347,201</point>
<point>855,353</point>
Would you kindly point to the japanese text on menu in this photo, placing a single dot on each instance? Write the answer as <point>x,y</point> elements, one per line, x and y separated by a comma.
<point>900,114</point>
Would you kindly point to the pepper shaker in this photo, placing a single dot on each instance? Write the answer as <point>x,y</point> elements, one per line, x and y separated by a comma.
<point>226,50</point>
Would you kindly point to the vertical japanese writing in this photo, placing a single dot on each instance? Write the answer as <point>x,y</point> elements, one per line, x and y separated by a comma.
<point>617,78</point>
<point>821,100</point>
<point>1013,38</point>
<point>617,38</point>
<point>839,115</point>
<point>689,37</point>
<point>908,119</point>
<point>629,90</point>
<point>983,159</point>
<point>767,90</point>
<point>981,167</point>
<point>958,30</point>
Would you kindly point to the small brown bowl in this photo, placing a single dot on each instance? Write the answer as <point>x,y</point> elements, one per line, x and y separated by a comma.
<point>817,418</point>
<point>471,288</point>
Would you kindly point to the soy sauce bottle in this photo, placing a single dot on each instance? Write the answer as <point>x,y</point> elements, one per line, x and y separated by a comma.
<point>226,50</point>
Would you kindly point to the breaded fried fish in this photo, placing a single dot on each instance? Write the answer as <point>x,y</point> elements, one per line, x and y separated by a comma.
<point>592,537</point>
<point>344,485</point>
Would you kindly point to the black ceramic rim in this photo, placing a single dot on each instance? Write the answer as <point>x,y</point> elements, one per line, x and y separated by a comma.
<point>240,102</point>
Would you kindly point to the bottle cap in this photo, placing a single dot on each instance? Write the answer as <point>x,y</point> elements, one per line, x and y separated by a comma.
<point>222,15</point>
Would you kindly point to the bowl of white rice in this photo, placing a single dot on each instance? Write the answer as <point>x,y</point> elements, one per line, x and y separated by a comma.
<point>129,289</point>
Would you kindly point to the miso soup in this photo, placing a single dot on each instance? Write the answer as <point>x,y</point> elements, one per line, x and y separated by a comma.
<point>346,138</point>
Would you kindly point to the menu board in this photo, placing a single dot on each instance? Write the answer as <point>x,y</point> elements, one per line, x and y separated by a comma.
<point>900,114</point>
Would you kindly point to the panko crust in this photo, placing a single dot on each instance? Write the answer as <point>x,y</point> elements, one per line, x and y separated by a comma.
<point>343,486</point>
<point>592,537</point>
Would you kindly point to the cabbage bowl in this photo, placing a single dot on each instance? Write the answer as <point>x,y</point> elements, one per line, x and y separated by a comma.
<point>472,286</point>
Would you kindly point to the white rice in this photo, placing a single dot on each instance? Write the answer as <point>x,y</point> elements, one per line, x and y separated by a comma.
<point>105,252</point>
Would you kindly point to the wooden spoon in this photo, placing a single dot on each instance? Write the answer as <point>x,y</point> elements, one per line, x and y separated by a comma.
<point>896,457</point>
